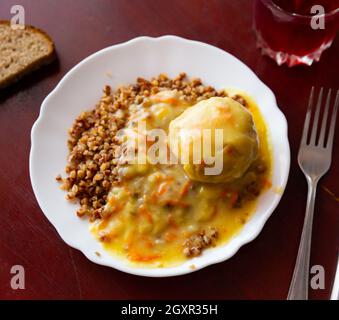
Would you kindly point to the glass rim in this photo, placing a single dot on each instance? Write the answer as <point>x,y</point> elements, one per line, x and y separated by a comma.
<point>274,6</point>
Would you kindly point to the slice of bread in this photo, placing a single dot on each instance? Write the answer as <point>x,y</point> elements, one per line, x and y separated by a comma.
<point>22,51</point>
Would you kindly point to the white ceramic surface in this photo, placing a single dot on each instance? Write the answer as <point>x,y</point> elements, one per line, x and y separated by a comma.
<point>120,64</point>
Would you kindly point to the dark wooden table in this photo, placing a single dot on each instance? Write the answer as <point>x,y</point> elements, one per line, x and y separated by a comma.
<point>261,269</point>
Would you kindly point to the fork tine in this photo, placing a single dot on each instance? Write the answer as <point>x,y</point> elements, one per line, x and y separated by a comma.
<point>324,121</point>
<point>316,118</point>
<point>308,117</point>
<point>330,139</point>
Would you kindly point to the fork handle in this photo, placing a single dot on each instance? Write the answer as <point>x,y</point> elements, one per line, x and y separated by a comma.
<point>300,280</point>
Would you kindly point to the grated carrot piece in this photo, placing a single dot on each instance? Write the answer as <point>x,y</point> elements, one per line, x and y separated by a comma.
<point>145,213</point>
<point>267,184</point>
<point>163,187</point>
<point>186,188</point>
<point>234,197</point>
<point>153,198</point>
<point>172,222</point>
<point>169,100</point>
<point>148,241</point>
<point>178,203</point>
<point>137,257</point>
<point>170,236</point>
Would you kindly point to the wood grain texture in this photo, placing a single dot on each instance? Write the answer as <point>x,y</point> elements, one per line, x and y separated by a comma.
<point>261,269</point>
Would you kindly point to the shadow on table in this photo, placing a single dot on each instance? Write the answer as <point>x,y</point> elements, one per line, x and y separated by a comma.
<point>30,80</point>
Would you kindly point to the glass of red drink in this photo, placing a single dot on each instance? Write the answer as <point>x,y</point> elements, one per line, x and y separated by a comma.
<point>295,31</point>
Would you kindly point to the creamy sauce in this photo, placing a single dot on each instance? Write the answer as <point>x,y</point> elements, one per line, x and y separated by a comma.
<point>156,207</point>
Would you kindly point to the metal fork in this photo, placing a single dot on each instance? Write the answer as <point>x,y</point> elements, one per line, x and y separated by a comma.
<point>314,159</point>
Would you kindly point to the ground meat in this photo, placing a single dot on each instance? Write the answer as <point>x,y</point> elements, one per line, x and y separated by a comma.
<point>194,245</point>
<point>92,168</point>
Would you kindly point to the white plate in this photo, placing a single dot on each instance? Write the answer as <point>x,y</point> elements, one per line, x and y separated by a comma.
<point>82,87</point>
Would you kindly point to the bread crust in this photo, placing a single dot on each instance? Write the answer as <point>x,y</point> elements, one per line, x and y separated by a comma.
<point>48,58</point>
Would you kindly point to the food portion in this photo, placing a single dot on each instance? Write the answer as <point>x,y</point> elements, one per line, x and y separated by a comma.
<point>160,213</point>
<point>237,146</point>
<point>22,51</point>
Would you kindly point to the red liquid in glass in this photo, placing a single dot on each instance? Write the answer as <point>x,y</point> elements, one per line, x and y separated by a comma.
<point>303,7</point>
<point>280,31</point>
